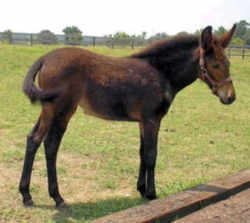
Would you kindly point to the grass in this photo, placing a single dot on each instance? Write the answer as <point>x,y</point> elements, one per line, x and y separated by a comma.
<point>200,140</point>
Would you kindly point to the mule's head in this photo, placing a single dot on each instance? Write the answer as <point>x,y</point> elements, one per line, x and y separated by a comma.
<point>215,65</point>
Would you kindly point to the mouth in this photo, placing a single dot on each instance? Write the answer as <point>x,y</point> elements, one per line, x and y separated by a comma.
<point>227,101</point>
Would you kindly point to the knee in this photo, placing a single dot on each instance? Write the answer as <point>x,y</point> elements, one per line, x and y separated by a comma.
<point>32,144</point>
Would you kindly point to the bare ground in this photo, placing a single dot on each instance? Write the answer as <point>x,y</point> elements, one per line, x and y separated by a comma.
<point>235,209</point>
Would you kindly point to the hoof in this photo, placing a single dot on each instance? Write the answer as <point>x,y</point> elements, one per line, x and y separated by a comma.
<point>142,190</point>
<point>150,197</point>
<point>28,203</point>
<point>61,205</point>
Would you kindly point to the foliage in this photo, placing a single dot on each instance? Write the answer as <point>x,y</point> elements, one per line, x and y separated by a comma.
<point>143,35</point>
<point>241,29</point>
<point>198,32</point>
<point>118,38</point>
<point>220,31</point>
<point>124,39</point>
<point>158,36</point>
<point>47,37</point>
<point>73,35</point>
<point>140,40</point>
<point>7,36</point>
<point>238,41</point>
<point>246,37</point>
<point>121,35</point>
<point>183,33</point>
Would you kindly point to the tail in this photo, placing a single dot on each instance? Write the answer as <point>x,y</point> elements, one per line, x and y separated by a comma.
<point>33,92</point>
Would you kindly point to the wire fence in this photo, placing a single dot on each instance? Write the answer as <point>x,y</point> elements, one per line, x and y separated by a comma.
<point>32,38</point>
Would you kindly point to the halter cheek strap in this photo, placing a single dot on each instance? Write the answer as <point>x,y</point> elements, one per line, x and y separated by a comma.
<point>214,85</point>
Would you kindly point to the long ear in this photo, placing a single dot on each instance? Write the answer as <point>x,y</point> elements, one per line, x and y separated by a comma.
<point>206,38</point>
<point>226,37</point>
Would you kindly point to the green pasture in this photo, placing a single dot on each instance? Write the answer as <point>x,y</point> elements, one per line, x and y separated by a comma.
<point>200,140</point>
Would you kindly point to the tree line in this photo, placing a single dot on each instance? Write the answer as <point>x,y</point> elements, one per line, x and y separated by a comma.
<point>73,36</point>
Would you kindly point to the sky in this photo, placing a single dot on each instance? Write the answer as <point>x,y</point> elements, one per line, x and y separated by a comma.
<point>100,18</point>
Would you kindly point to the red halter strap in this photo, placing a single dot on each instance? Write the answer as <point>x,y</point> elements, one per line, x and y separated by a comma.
<point>206,77</point>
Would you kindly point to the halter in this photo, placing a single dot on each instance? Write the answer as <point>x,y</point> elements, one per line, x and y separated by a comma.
<point>214,85</point>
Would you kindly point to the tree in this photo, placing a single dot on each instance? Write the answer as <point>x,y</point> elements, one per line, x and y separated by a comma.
<point>220,31</point>
<point>238,41</point>
<point>198,32</point>
<point>183,33</point>
<point>246,37</point>
<point>7,36</point>
<point>119,39</point>
<point>47,37</point>
<point>139,40</point>
<point>73,35</point>
<point>158,36</point>
<point>241,28</point>
<point>143,35</point>
<point>121,35</point>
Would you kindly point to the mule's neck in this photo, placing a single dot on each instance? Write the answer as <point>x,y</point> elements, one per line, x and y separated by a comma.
<point>177,60</point>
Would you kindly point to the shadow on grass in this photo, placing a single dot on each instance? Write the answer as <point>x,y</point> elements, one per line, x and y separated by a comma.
<point>91,211</point>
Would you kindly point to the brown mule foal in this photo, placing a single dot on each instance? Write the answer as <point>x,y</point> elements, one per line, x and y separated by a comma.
<point>137,88</point>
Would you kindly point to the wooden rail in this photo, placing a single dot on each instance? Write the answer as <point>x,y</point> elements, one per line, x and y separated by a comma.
<point>173,207</point>
<point>238,51</point>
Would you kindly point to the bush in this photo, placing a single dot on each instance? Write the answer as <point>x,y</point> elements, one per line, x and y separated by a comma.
<point>47,37</point>
<point>7,36</point>
<point>73,35</point>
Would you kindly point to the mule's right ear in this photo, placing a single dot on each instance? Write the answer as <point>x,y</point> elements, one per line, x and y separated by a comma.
<point>226,38</point>
<point>206,38</point>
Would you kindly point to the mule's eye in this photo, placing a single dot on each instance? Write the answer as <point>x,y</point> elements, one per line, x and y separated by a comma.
<point>216,66</point>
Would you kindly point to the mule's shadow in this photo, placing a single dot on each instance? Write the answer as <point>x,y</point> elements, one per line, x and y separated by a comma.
<point>90,211</point>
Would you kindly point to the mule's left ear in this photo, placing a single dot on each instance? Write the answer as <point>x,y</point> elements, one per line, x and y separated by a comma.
<point>206,38</point>
<point>226,37</point>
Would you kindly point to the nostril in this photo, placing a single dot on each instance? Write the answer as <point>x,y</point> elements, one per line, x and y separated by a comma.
<point>231,99</point>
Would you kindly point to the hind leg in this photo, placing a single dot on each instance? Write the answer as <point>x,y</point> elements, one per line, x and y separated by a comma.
<point>51,144</point>
<point>34,140</point>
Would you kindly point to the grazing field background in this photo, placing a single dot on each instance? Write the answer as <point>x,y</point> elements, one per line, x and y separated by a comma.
<point>200,140</point>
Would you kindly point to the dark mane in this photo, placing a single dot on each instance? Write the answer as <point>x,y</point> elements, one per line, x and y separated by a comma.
<point>168,46</point>
<point>173,58</point>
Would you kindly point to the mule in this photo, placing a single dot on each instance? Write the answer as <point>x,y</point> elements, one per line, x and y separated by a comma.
<point>138,88</point>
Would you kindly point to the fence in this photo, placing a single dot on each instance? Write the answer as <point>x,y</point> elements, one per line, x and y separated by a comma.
<point>238,51</point>
<point>31,38</point>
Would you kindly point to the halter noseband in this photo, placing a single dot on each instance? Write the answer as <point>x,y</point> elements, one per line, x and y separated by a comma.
<point>214,85</point>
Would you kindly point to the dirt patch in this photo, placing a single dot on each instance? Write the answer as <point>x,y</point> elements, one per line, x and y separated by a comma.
<point>233,210</point>
<point>77,176</point>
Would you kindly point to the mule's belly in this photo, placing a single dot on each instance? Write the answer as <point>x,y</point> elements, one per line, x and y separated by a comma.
<point>109,106</point>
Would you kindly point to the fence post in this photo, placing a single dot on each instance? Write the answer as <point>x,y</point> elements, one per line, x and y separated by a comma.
<point>112,43</point>
<point>133,43</point>
<point>229,52</point>
<point>31,39</point>
<point>243,52</point>
<point>10,38</point>
<point>94,41</point>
